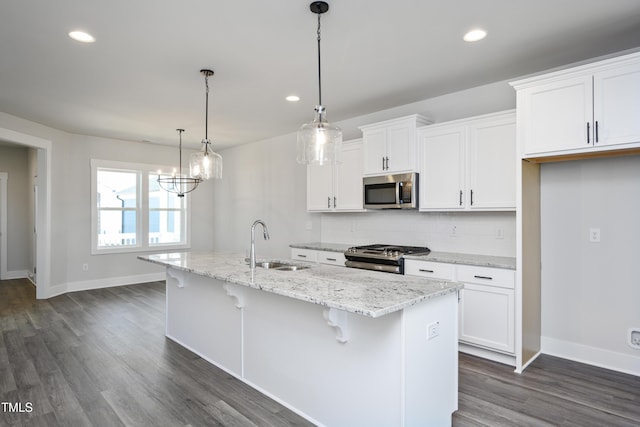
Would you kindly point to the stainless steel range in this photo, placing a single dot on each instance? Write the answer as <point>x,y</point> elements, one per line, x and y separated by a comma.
<point>388,258</point>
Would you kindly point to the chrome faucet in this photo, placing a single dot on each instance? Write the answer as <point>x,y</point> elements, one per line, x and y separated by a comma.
<point>265,233</point>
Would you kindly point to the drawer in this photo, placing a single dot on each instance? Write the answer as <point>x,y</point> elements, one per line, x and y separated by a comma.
<point>434,270</point>
<point>499,277</point>
<point>304,254</point>
<point>333,258</point>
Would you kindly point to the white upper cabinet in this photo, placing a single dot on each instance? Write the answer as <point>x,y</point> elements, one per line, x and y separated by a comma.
<point>586,109</point>
<point>339,187</point>
<point>390,147</point>
<point>468,164</point>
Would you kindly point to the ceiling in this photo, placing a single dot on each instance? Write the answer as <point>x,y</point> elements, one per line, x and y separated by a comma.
<point>141,79</point>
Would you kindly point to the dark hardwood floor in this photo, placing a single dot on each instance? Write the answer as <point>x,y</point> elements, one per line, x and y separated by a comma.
<point>100,358</point>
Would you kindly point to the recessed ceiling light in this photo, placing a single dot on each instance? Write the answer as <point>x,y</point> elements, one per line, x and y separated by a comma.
<point>81,36</point>
<point>293,98</point>
<point>475,35</point>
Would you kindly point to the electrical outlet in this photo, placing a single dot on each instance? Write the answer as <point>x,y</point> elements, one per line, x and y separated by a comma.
<point>634,338</point>
<point>433,330</point>
<point>453,231</point>
<point>499,233</point>
<point>85,267</point>
<point>594,235</point>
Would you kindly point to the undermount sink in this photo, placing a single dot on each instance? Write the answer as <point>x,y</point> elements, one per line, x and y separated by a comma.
<point>282,266</point>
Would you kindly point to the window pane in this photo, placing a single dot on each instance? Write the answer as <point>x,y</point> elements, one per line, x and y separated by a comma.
<point>116,228</point>
<point>167,227</point>
<point>116,189</point>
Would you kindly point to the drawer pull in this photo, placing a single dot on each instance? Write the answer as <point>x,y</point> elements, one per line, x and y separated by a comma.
<point>425,270</point>
<point>301,256</point>
<point>331,259</point>
<point>484,277</point>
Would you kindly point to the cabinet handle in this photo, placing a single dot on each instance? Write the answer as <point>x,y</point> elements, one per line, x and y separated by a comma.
<point>383,164</point>
<point>460,197</point>
<point>331,259</point>
<point>424,270</point>
<point>588,133</point>
<point>301,256</point>
<point>471,197</point>
<point>329,202</point>
<point>387,162</point>
<point>335,205</point>
<point>484,277</point>
<point>597,132</point>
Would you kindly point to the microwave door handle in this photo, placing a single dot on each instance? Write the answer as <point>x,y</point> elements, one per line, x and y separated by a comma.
<point>398,193</point>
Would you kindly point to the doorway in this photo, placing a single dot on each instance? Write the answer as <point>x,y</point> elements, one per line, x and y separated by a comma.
<point>42,224</point>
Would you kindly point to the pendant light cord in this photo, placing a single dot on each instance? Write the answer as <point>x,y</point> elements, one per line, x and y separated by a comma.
<point>319,72</point>
<point>180,156</point>
<point>206,108</point>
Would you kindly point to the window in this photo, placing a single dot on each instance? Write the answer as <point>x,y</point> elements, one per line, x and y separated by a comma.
<point>130,212</point>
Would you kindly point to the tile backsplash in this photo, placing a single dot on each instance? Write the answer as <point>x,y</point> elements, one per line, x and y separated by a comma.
<point>485,233</point>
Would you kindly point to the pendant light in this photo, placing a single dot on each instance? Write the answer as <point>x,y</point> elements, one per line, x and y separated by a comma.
<point>178,183</point>
<point>206,164</point>
<point>319,142</point>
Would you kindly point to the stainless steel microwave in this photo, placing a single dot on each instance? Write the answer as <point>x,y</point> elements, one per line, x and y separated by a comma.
<point>391,191</point>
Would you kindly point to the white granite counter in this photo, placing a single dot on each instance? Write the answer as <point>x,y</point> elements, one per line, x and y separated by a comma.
<point>468,259</point>
<point>368,293</point>
<point>320,246</point>
<point>448,257</point>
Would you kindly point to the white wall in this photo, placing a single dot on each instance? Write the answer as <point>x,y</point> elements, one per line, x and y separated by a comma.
<point>262,180</point>
<point>476,232</point>
<point>591,291</point>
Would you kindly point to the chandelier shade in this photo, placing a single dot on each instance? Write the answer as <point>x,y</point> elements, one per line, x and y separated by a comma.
<point>319,142</point>
<point>206,164</point>
<point>178,183</point>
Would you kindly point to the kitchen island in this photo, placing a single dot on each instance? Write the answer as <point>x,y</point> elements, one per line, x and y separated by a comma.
<point>339,346</point>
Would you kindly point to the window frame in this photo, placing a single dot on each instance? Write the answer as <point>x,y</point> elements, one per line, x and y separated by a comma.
<point>142,209</point>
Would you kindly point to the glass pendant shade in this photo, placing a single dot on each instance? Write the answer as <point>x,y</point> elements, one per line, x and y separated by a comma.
<point>206,164</point>
<point>319,142</point>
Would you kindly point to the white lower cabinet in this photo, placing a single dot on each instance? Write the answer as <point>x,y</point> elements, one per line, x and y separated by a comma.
<point>322,257</point>
<point>487,302</point>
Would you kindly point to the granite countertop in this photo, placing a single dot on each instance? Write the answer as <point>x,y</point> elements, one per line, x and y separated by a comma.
<point>368,293</point>
<point>319,246</point>
<point>448,257</point>
<point>468,259</point>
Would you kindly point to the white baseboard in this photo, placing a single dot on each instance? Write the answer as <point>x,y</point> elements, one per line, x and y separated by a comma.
<point>17,274</point>
<point>487,354</point>
<point>591,355</point>
<point>107,282</point>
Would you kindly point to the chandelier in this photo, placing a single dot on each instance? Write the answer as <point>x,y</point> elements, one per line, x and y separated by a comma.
<point>178,183</point>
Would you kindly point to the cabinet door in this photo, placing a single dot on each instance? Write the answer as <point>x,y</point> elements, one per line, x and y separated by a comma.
<point>442,168</point>
<point>491,163</point>
<point>401,146</point>
<point>487,317</point>
<point>348,178</point>
<point>617,105</point>
<point>374,151</point>
<point>319,188</point>
<point>558,116</point>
